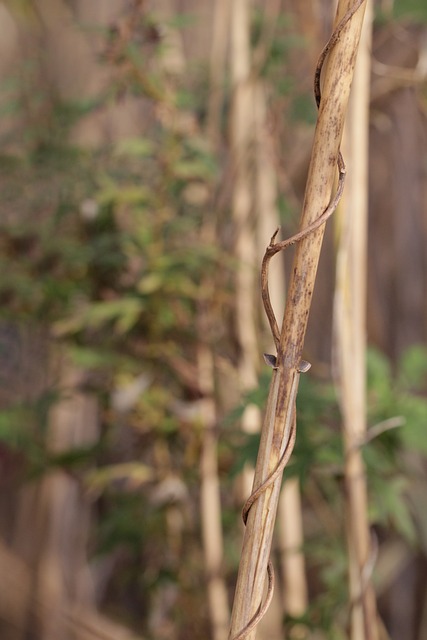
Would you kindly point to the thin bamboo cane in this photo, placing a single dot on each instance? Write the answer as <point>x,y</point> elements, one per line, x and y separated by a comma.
<point>350,342</point>
<point>217,62</point>
<point>210,504</point>
<point>266,218</point>
<point>241,124</point>
<point>295,588</point>
<point>241,138</point>
<point>278,434</point>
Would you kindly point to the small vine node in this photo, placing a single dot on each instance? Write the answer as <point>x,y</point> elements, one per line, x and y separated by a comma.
<point>273,248</point>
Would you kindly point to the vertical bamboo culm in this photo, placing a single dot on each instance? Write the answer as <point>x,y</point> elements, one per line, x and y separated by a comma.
<point>350,341</point>
<point>278,435</point>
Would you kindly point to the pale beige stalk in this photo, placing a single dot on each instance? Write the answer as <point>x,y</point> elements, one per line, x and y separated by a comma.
<point>241,139</point>
<point>241,136</point>
<point>210,503</point>
<point>217,64</point>
<point>350,341</point>
<point>210,499</point>
<point>258,534</point>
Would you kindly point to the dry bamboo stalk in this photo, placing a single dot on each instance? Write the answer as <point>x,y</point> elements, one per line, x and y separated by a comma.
<point>63,575</point>
<point>278,434</point>
<point>217,63</point>
<point>241,124</point>
<point>241,137</point>
<point>210,504</point>
<point>350,342</point>
<point>295,588</point>
<point>267,218</point>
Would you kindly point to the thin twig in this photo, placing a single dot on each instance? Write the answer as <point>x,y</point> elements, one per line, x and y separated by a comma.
<point>382,427</point>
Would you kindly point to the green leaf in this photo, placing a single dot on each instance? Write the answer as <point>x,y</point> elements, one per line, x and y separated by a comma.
<point>303,109</point>
<point>413,368</point>
<point>137,147</point>
<point>129,194</point>
<point>131,475</point>
<point>379,370</point>
<point>88,358</point>
<point>415,9</point>
<point>150,283</point>
<point>191,169</point>
<point>390,507</point>
<point>124,312</point>
<point>14,424</point>
<point>181,20</point>
<point>413,433</point>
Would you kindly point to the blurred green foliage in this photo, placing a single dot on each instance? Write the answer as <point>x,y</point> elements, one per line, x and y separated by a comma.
<point>106,249</point>
<point>414,11</point>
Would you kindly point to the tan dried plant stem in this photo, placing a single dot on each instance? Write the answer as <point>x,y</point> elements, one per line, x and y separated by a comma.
<point>217,64</point>
<point>210,503</point>
<point>210,499</point>
<point>278,432</point>
<point>350,343</point>
<point>255,194</point>
<point>289,539</point>
<point>241,138</point>
<point>241,141</point>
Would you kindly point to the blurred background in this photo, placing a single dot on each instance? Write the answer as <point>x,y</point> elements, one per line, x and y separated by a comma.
<point>148,152</point>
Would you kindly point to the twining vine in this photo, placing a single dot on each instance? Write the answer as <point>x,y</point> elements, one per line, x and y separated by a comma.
<point>273,248</point>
